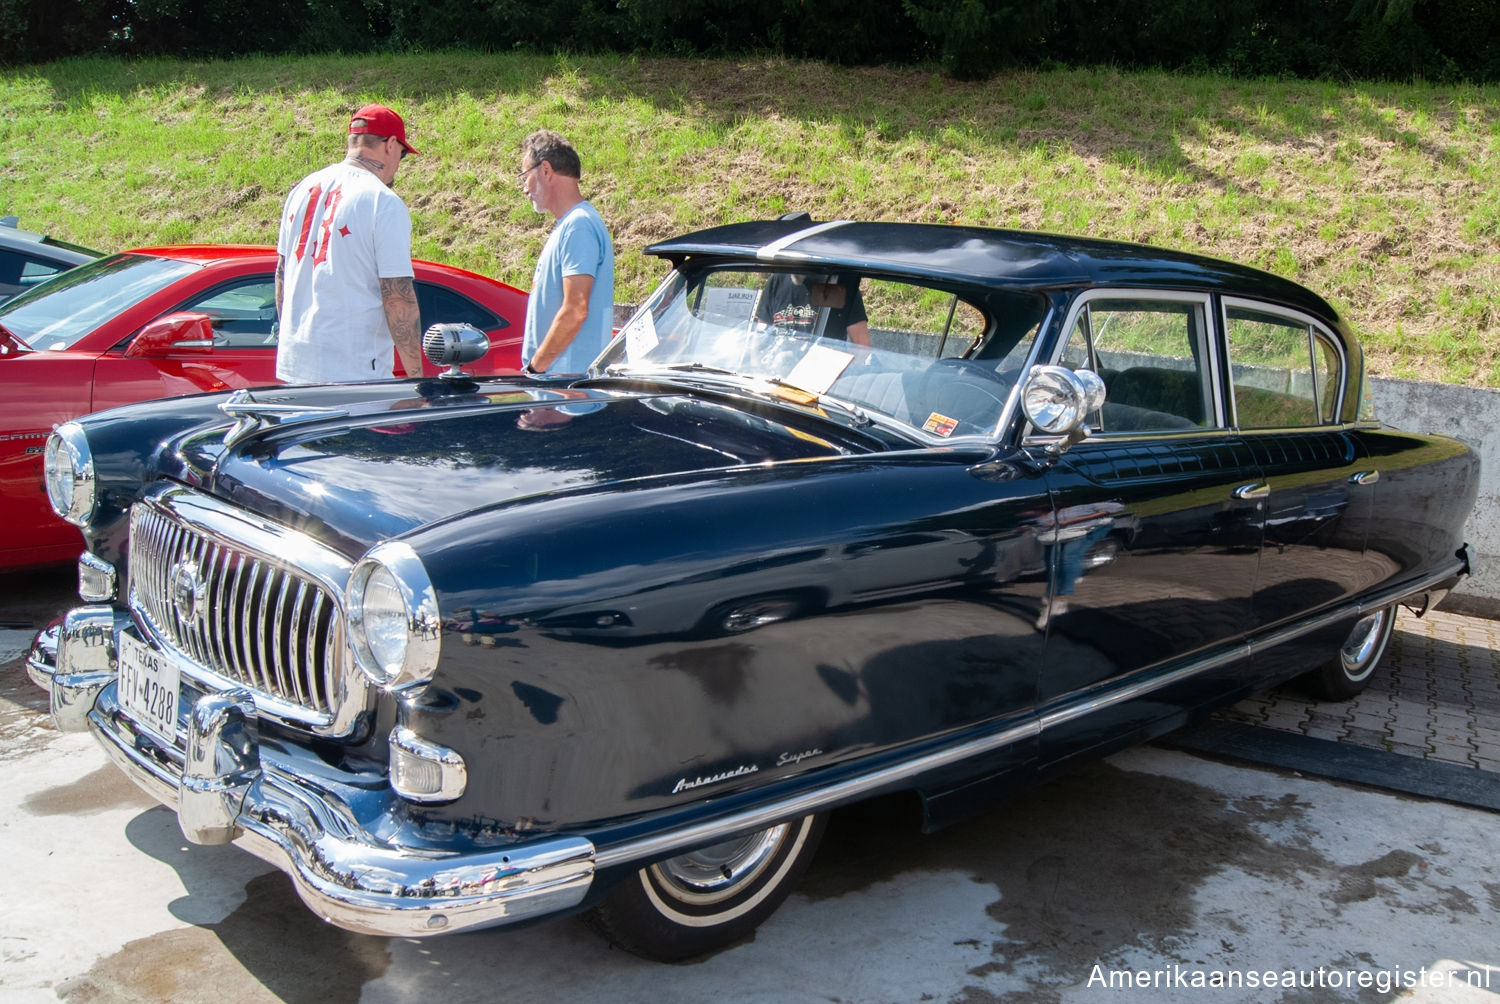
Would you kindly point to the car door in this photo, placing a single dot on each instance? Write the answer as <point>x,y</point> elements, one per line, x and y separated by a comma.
<point>1157,529</point>
<point>1286,376</point>
<point>242,313</point>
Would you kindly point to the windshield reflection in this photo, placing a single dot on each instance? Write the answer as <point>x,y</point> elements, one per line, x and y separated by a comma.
<point>59,313</point>
<point>887,350</point>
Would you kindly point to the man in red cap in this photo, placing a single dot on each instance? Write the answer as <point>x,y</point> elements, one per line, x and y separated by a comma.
<point>344,290</point>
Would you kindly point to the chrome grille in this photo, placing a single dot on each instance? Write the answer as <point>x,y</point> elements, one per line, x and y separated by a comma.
<point>228,594</point>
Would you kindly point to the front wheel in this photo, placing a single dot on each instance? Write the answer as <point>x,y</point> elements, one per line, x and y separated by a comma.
<point>708,898</point>
<point>1349,672</point>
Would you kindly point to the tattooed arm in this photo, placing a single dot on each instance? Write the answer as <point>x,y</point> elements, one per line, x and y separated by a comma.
<point>399,297</point>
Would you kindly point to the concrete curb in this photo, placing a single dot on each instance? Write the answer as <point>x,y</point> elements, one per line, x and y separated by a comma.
<point>1341,762</point>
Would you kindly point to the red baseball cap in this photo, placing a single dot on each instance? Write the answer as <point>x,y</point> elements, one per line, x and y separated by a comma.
<point>380,121</point>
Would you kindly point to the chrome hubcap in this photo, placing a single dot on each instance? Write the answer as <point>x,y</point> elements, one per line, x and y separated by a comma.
<point>716,873</point>
<point>1360,652</point>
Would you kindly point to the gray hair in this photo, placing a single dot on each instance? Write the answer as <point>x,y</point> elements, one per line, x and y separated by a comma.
<point>544,144</point>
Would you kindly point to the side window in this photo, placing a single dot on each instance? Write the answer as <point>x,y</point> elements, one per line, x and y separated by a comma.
<point>33,272</point>
<point>919,321</point>
<point>243,313</point>
<point>1153,357</point>
<point>19,272</point>
<point>439,305</point>
<point>1285,374</point>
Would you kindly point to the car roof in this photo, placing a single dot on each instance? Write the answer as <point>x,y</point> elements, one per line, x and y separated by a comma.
<point>206,254</point>
<point>14,238</point>
<point>985,257</point>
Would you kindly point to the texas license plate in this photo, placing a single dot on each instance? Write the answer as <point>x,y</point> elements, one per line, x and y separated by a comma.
<point>148,687</point>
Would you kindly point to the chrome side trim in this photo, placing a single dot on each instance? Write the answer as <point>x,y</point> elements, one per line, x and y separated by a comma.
<point>1076,706</point>
<point>662,845</point>
<point>773,251</point>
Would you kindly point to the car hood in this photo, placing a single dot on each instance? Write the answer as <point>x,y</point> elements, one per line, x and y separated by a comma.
<point>371,472</point>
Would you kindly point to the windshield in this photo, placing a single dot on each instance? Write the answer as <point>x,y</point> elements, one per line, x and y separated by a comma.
<point>917,355</point>
<point>57,314</point>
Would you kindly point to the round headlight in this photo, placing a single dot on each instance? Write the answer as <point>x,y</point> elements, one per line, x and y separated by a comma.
<point>68,468</point>
<point>393,618</point>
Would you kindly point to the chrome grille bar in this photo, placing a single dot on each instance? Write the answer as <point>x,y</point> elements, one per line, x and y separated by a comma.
<point>245,603</point>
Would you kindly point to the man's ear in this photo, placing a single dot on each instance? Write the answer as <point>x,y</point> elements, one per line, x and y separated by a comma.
<point>828,294</point>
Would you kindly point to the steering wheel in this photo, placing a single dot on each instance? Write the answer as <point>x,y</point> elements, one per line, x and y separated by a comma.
<point>967,392</point>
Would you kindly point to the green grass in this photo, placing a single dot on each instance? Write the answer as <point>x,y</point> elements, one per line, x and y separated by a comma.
<point>1380,197</point>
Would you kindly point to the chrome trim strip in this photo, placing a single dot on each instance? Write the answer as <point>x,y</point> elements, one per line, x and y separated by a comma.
<point>662,845</point>
<point>772,251</point>
<point>1279,636</point>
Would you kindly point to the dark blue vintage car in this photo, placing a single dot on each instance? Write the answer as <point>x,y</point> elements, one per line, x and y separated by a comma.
<point>847,509</point>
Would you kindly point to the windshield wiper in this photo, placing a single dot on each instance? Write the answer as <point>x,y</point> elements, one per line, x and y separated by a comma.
<point>801,395</point>
<point>746,381</point>
<point>700,368</point>
<point>623,369</point>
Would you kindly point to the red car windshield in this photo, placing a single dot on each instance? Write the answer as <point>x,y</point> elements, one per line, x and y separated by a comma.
<point>58,313</point>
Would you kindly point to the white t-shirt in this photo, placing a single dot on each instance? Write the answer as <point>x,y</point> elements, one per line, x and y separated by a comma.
<point>342,231</point>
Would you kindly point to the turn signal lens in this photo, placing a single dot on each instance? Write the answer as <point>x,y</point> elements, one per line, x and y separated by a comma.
<point>425,772</point>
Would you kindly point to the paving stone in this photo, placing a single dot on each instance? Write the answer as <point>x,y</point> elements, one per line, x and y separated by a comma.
<point>1451,755</point>
<point>1436,696</point>
<point>1374,738</point>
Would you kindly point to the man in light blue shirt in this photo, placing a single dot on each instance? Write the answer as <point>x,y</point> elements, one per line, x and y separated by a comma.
<point>570,312</point>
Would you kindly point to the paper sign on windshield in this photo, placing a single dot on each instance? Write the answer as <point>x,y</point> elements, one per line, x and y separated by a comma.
<point>640,336</point>
<point>819,368</point>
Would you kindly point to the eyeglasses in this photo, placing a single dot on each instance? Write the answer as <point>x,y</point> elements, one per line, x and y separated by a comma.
<point>521,175</point>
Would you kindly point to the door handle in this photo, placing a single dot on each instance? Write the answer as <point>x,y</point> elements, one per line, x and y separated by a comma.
<point>1364,478</point>
<point>1245,493</point>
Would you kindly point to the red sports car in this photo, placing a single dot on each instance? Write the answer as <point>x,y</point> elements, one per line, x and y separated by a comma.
<point>158,322</point>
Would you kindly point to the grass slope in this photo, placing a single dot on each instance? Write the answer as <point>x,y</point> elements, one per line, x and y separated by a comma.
<point>1381,197</point>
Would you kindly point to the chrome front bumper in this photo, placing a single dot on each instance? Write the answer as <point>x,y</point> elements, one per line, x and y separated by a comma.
<point>337,835</point>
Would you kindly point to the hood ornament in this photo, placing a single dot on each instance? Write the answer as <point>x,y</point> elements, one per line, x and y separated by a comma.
<point>253,417</point>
